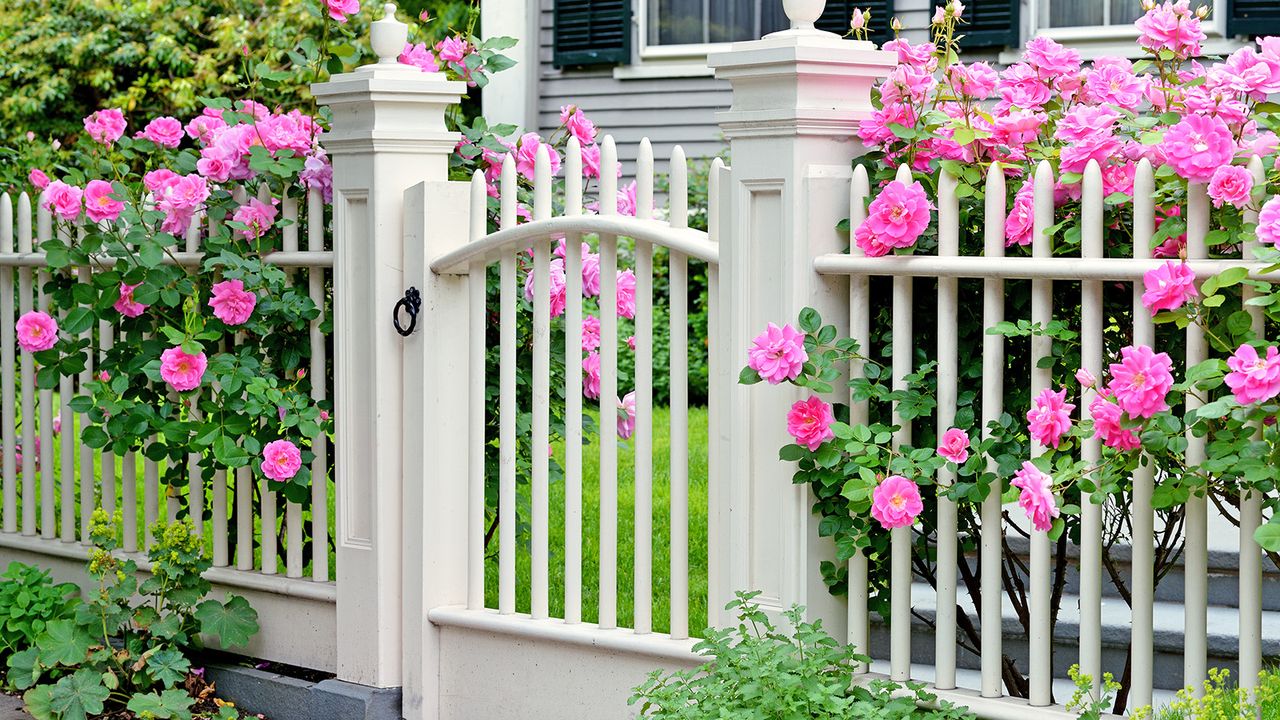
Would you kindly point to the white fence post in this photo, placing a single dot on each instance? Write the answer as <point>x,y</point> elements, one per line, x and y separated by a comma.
<point>798,96</point>
<point>388,134</point>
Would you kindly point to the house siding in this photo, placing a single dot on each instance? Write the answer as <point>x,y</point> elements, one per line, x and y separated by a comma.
<point>669,111</point>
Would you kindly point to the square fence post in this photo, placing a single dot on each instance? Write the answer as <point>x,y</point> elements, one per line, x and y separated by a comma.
<point>388,134</point>
<point>798,96</point>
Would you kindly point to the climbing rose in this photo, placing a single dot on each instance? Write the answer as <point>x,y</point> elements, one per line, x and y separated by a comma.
<point>1107,425</point>
<point>281,460</point>
<point>1169,286</point>
<point>895,219</point>
<point>954,445</point>
<point>590,333</point>
<point>591,375</point>
<point>627,415</point>
<point>1230,184</point>
<point>62,199</point>
<point>626,287</point>
<point>1254,379</point>
<point>1269,222</point>
<point>163,131</point>
<point>1085,378</point>
<point>1021,219</point>
<point>578,125</point>
<point>627,200</point>
<point>1050,417</point>
<point>1173,27</point>
<point>106,126</point>
<point>1198,145</point>
<point>1050,58</point>
<point>182,371</point>
<point>777,354</point>
<point>257,216</point>
<point>38,178</point>
<point>98,203</point>
<point>231,303</point>
<point>590,274</point>
<point>896,502</point>
<point>1037,496</point>
<point>809,422</point>
<point>454,49</point>
<point>37,331</point>
<point>419,56</point>
<point>340,9</point>
<point>556,287</point>
<point>527,155</point>
<point>126,305</point>
<point>1141,380</point>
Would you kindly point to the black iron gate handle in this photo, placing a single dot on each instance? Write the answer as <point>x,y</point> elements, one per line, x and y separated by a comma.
<point>412,303</point>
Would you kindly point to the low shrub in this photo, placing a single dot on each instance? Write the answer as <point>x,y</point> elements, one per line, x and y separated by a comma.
<point>1222,700</point>
<point>29,601</point>
<point>756,672</point>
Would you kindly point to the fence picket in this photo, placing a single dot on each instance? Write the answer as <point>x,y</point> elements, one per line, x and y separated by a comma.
<point>1196,552</point>
<point>993,360</point>
<point>319,393</point>
<point>643,438</point>
<point>292,510</point>
<point>1091,350</point>
<point>539,488</point>
<point>28,375</point>
<point>608,615</point>
<point>859,410</point>
<point>477,287</point>
<point>507,404</point>
<point>900,537</point>
<point>678,314</point>
<point>48,506</point>
<point>573,389</point>
<point>948,390</point>
<point>7,322</point>
<point>88,491</point>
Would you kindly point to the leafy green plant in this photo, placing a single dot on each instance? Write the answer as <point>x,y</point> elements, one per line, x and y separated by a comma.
<point>1090,703</point>
<point>29,601</point>
<point>116,654</point>
<point>1222,700</point>
<point>756,672</point>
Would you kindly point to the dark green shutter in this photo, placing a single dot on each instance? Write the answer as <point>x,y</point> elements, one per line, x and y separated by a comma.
<point>1253,17</point>
<point>993,23</point>
<point>592,32</point>
<point>836,17</point>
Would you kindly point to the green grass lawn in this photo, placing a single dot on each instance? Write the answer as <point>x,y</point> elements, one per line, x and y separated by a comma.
<point>626,532</point>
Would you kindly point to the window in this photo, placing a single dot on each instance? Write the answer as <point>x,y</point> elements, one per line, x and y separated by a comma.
<point>684,28</point>
<point>1073,13</point>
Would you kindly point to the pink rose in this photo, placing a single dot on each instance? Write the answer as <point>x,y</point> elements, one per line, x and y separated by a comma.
<point>527,155</point>
<point>1051,59</point>
<point>105,126</point>
<point>1198,145</point>
<point>1085,378</point>
<point>1020,221</point>
<point>1037,496</point>
<point>99,206</point>
<point>954,446</point>
<point>257,216</point>
<point>419,56</point>
<point>36,331</point>
<point>62,199</point>
<point>1021,86</point>
<point>921,55</point>
<point>627,200</point>
<point>777,354</point>
<point>1141,380</point>
<point>281,460</point>
<point>182,371</point>
<point>38,179</point>
<point>895,219</point>
<point>1173,27</point>
<point>896,502</point>
<point>1254,379</point>
<point>231,303</point>
<point>203,127</point>
<point>1169,286</point>
<point>1108,424</point>
<point>163,131</point>
<point>1230,184</point>
<point>591,375</point>
<point>557,289</point>
<point>576,122</point>
<point>590,333</point>
<point>1269,222</point>
<point>626,291</point>
<point>809,422</point>
<point>631,342</point>
<point>1112,81</point>
<point>340,9</point>
<point>590,275</point>
<point>454,49</point>
<point>126,305</point>
<point>158,180</point>
<point>1050,417</point>
<point>627,415</point>
<point>975,80</point>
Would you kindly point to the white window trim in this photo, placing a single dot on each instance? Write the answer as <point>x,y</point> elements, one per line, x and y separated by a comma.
<point>1096,40</point>
<point>650,62</point>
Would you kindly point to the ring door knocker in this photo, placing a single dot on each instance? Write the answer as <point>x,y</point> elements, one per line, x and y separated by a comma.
<point>411,303</point>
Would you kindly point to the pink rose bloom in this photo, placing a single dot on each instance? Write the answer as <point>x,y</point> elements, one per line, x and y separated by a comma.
<point>590,275</point>
<point>1084,122</point>
<point>37,331</point>
<point>1085,378</point>
<point>104,376</point>
<point>257,216</point>
<point>576,122</point>
<point>896,502</point>
<point>777,354</point>
<point>626,287</point>
<point>281,460</point>
<point>1108,426</point>
<point>419,56</point>
<point>231,303</point>
<point>203,127</point>
<point>1018,127</point>
<point>454,49</point>
<point>126,305</point>
<point>895,219</point>
<point>954,446</point>
<point>163,131</point>
<point>1050,417</point>
<point>907,84</point>
<point>98,203</point>
<point>809,422</point>
<point>57,425</point>
<point>1051,59</point>
<point>1020,86</point>
<point>1099,147</point>
<point>631,342</point>
<point>105,126</point>
<point>1141,380</point>
<point>591,375</point>
<point>527,155</point>
<point>157,180</point>
<point>62,199</point>
<point>181,371</point>
<point>1112,81</point>
<point>38,179</point>
<point>557,290</point>
<point>1269,222</point>
<point>1198,145</point>
<point>317,174</point>
<point>1230,184</point>
<point>1037,496</point>
<point>627,200</point>
<point>590,333</point>
<point>1169,286</point>
<point>627,415</point>
<point>975,80</point>
<point>1254,379</point>
<point>1020,222</point>
<point>339,10</point>
<point>1171,27</point>
<point>921,55</point>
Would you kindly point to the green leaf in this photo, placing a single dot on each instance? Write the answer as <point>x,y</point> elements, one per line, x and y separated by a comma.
<point>77,321</point>
<point>94,437</point>
<point>810,320</point>
<point>77,696</point>
<point>1268,536</point>
<point>791,453</point>
<point>748,377</point>
<point>174,703</point>
<point>63,643</point>
<point>24,668</point>
<point>168,666</point>
<point>38,701</point>
<point>233,622</point>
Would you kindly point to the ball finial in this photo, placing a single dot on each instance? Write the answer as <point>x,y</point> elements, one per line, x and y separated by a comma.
<point>803,13</point>
<point>388,36</point>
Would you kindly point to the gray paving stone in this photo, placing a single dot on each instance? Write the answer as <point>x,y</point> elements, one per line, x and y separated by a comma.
<point>11,708</point>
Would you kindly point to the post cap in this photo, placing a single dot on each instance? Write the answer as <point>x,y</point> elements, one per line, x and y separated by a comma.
<point>388,36</point>
<point>803,13</point>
